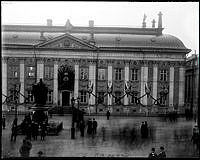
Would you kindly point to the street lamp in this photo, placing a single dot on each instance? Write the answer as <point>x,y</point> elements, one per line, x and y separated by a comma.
<point>72,129</point>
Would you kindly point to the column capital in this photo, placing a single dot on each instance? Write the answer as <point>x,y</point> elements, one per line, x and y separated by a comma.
<point>92,62</point>
<point>127,63</point>
<point>110,62</point>
<point>5,59</point>
<point>76,61</point>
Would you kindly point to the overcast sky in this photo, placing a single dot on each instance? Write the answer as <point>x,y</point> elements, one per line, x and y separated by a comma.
<point>180,19</point>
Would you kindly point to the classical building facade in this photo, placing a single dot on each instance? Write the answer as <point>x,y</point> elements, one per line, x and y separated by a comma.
<point>70,59</point>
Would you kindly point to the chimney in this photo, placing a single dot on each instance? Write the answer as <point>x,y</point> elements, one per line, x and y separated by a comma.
<point>49,22</point>
<point>68,25</point>
<point>91,25</point>
<point>160,20</point>
<point>153,23</point>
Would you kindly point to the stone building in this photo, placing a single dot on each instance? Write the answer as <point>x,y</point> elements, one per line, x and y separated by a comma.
<point>70,59</point>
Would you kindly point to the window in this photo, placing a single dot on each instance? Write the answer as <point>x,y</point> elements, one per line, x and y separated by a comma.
<point>134,98</point>
<point>30,96</point>
<point>163,75</point>
<point>14,71</point>
<point>134,75</point>
<point>48,72</point>
<point>49,96</point>
<point>83,97</point>
<point>118,74</point>
<point>31,71</point>
<point>117,99</point>
<point>83,73</point>
<point>101,97</point>
<point>101,74</point>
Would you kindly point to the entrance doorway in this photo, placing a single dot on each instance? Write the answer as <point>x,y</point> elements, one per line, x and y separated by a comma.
<point>65,98</point>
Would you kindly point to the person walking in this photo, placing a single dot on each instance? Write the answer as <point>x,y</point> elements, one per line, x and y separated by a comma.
<point>162,153</point>
<point>82,128</point>
<point>153,154</point>
<point>94,126</point>
<point>14,130</point>
<point>89,126</point>
<point>43,131</point>
<point>4,121</point>
<point>108,114</point>
<point>142,130</point>
<point>25,148</point>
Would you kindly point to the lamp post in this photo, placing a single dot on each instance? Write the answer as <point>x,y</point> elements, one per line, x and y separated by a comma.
<point>78,114</point>
<point>72,129</point>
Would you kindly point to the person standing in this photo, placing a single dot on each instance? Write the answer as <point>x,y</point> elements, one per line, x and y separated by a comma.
<point>43,131</point>
<point>89,126</point>
<point>82,128</point>
<point>142,130</point>
<point>14,130</point>
<point>153,154</point>
<point>4,121</point>
<point>29,131</point>
<point>108,114</point>
<point>162,153</point>
<point>25,148</point>
<point>146,129</point>
<point>94,126</point>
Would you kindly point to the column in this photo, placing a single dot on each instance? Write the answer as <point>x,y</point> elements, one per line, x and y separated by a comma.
<point>92,79</point>
<point>55,83</point>
<point>110,80</point>
<point>181,86</point>
<point>171,86</point>
<point>144,79</point>
<point>76,81</point>
<point>126,78</point>
<point>40,70</point>
<point>4,78</point>
<point>21,71</point>
<point>155,81</point>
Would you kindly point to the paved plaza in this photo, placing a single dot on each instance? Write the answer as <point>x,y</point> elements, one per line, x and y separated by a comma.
<point>117,137</point>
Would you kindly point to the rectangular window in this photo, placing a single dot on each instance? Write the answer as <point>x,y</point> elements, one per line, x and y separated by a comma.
<point>14,71</point>
<point>30,96</point>
<point>134,74</point>
<point>134,98</point>
<point>101,97</point>
<point>101,74</point>
<point>118,74</point>
<point>31,71</point>
<point>163,75</point>
<point>48,72</point>
<point>84,73</point>
<point>49,96</point>
<point>83,97</point>
<point>117,99</point>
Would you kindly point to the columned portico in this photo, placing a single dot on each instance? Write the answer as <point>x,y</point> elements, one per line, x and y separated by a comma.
<point>55,83</point>
<point>92,80</point>
<point>4,78</point>
<point>171,87</point>
<point>126,79</point>
<point>21,98</point>
<point>40,70</point>
<point>144,79</point>
<point>181,86</point>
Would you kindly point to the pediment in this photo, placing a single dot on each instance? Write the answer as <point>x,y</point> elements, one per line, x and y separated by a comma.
<point>66,41</point>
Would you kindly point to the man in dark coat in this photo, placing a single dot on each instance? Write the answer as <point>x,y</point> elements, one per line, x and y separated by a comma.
<point>142,130</point>
<point>94,126</point>
<point>82,128</point>
<point>146,131</point>
<point>89,126</point>
<point>14,130</point>
<point>108,114</point>
<point>4,121</point>
<point>25,148</point>
<point>162,153</point>
<point>43,130</point>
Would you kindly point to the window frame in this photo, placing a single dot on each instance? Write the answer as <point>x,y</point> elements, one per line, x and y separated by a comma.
<point>118,74</point>
<point>83,76</point>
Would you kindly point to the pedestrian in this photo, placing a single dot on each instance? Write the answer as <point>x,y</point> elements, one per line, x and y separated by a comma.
<point>94,126</point>
<point>29,132</point>
<point>25,148</point>
<point>142,130</point>
<point>153,154</point>
<point>40,154</point>
<point>43,131</point>
<point>162,153</point>
<point>82,128</point>
<point>89,126</point>
<point>108,114</point>
<point>4,121</point>
<point>146,129</point>
<point>14,130</point>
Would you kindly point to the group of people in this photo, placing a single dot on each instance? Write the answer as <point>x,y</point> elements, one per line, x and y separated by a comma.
<point>161,154</point>
<point>144,130</point>
<point>30,128</point>
<point>92,126</point>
